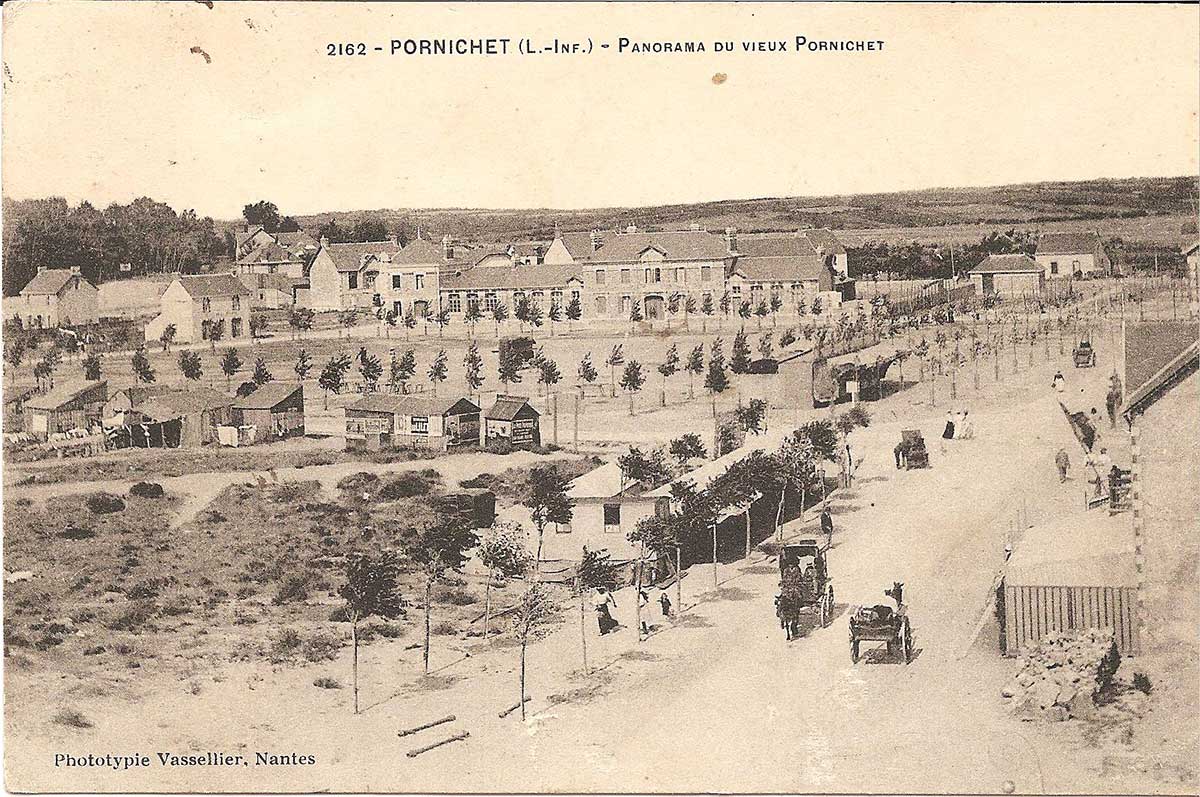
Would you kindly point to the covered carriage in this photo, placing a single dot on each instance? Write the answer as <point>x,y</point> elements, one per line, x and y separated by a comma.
<point>804,586</point>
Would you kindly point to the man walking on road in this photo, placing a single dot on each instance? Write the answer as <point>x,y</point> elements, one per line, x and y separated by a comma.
<point>827,524</point>
<point>1063,463</point>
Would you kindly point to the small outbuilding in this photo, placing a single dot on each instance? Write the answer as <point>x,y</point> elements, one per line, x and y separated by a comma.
<point>200,410</point>
<point>1008,275</point>
<point>276,410</point>
<point>77,405</point>
<point>512,419</point>
<point>383,421</point>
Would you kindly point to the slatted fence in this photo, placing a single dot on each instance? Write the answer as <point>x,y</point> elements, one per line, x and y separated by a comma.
<point>1031,612</point>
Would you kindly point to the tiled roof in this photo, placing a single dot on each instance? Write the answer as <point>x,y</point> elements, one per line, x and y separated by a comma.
<point>507,407</point>
<point>775,246</point>
<point>209,285</point>
<point>412,405</point>
<point>500,277</point>
<point>419,252</point>
<point>779,269</point>
<point>578,244</point>
<point>48,282</point>
<point>349,257</point>
<point>1007,264</point>
<point>295,239</point>
<point>676,245</point>
<point>823,239</point>
<point>1068,243</point>
<point>278,282</point>
<point>602,482</point>
<point>268,396</point>
<point>268,253</point>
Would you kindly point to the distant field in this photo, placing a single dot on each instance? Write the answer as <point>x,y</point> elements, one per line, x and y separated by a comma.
<point>1163,230</point>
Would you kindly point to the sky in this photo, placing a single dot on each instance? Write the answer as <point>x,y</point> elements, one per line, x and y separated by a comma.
<point>213,108</point>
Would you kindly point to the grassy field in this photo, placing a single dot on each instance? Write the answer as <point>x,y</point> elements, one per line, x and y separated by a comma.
<point>113,588</point>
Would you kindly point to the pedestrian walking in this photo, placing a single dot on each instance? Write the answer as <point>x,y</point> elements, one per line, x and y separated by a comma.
<point>604,617</point>
<point>664,601</point>
<point>827,525</point>
<point>1063,463</point>
<point>967,430</point>
<point>643,603</point>
<point>1059,383</point>
<point>947,431</point>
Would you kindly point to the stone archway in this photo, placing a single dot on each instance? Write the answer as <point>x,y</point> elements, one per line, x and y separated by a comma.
<point>654,308</point>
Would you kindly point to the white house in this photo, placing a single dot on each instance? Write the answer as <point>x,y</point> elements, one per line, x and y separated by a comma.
<point>1008,275</point>
<point>1071,254</point>
<point>55,297</point>
<point>198,304</point>
<point>346,276</point>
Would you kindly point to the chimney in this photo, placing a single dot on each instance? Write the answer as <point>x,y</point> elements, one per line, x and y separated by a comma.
<point>731,239</point>
<point>447,248</point>
<point>632,228</point>
<point>597,240</point>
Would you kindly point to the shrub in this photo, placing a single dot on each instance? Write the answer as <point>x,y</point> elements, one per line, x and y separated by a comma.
<point>285,645</point>
<point>137,615</point>
<point>409,485</point>
<point>71,718</point>
<point>457,597</point>
<point>322,647</point>
<point>104,503</point>
<point>1141,682</point>
<point>146,490</point>
<point>246,592</point>
<point>144,590</point>
<point>93,651</point>
<point>445,628</point>
<point>327,683</point>
<point>499,446</point>
<point>293,588</point>
<point>76,533</point>
<point>375,629</point>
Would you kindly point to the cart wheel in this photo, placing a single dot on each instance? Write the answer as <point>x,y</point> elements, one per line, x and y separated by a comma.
<point>854,652</point>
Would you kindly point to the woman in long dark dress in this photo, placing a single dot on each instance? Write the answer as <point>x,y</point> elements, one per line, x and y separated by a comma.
<point>948,432</point>
<point>603,616</point>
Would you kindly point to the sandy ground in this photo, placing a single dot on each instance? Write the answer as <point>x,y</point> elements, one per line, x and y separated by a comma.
<point>717,700</point>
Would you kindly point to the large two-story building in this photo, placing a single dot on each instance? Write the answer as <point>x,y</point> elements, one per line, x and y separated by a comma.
<point>55,297</point>
<point>198,304</point>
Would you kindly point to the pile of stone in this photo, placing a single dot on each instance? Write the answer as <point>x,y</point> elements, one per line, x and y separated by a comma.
<point>1062,677</point>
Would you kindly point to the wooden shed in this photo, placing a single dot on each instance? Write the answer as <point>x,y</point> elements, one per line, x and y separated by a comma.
<point>1077,572</point>
<point>514,419</point>
<point>76,405</point>
<point>201,410</point>
<point>386,421</point>
<point>276,410</point>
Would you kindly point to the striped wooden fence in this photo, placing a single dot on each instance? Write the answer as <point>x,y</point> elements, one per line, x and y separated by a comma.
<point>1032,612</point>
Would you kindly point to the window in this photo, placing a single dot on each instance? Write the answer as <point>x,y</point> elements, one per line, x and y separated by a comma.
<point>420,281</point>
<point>454,303</point>
<point>562,528</point>
<point>706,273</point>
<point>419,424</point>
<point>556,297</point>
<point>490,300</point>
<point>518,297</point>
<point>599,276</point>
<point>536,298</point>
<point>235,327</point>
<point>575,295</point>
<point>205,304</point>
<point>396,308</point>
<point>1053,266</point>
<point>205,328</point>
<point>473,300</point>
<point>1074,265</point>
<point>397,282</point>
<point>626,277</point>
<point>626,305</point>
<point>655,275</point>
<point>601,305</point>
<point>612,517</point>
<point>681,275</point>
<point>237,302</point>
<point>352,281</point>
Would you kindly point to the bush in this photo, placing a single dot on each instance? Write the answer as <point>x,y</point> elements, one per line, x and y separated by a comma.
<point>1141,682</point>
<point>71,718</point>
<point>105,503</point>
<point>378,629</point>
<point>457,597</point>
<point>135,617</point>
<point>146,490</point>
<point>285,645</point>
<point>322,647</point>
<point>293,588</point>
<point>409,485</point>
<point>445,628</point>
<point>327,683</point>
<point>144,590</point>
<point>76,533</point>
<point>499,446</point>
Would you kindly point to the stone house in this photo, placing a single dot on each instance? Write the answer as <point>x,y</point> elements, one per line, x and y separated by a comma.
<point>1072,254</point>
<point>198,304</point>
<point>55,297</point>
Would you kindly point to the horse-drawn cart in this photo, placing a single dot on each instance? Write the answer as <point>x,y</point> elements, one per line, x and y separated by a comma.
<point>1084,355</point>
<point>804,586</point>
<point>880,623</point>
